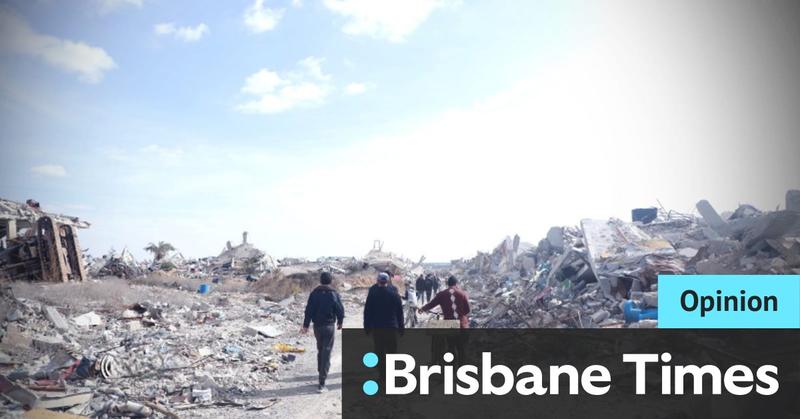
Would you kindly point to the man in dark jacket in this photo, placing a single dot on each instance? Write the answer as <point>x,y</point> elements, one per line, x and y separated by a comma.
<point>420,286</point>
<point>383,318</point>
<point>428,287</point>
<point>325,309</point>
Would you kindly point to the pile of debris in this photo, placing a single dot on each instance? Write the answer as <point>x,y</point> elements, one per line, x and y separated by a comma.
<point>294,275</point>
<point>123,265</point>
<point>243,259</point>
<point>604,273</point>
<point>36,245</point>
<point>142,359</point>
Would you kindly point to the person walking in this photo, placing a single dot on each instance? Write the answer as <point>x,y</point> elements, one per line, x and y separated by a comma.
<point>420,287</point>
<point>410,296</point>
<point>437,283</point>
<point>325,310</point>
<point>383,318</point>
<point>428,287</point>
<point>453,301</point>
<point>454,304</point>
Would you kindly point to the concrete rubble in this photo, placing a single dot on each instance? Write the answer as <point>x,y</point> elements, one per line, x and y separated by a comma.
<point>177,336</point>
<point>594,274</point>
<point>148,359</point>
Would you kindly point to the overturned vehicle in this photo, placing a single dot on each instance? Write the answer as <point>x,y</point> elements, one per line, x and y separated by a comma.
<point>40,246</point>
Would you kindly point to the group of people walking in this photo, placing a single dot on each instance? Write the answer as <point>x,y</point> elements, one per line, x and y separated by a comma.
<point>384,317</point>
<point>427,286</point>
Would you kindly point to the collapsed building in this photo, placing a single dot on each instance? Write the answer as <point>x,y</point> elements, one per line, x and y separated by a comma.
<point>244,258</point>
<point>37,245</point>
<point>604,273</point>
<point>122,265</point>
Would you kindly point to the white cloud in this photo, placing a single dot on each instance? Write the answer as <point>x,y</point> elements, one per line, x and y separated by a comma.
<point>184,33</point>
<point>260,18</point>
<point>355,88</point>
<point>54,170</point>
<point>307,86</point>
<point>392,20</point>
<point>87,61</point>
<point>297,3</point>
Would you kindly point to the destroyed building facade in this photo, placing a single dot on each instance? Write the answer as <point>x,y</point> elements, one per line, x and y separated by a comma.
<point>36,245</point>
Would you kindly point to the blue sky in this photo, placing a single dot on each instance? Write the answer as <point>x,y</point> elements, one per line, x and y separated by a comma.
<point>318,126</point>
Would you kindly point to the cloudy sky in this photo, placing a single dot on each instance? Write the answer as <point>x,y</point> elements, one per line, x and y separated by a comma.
<point>438,126</point>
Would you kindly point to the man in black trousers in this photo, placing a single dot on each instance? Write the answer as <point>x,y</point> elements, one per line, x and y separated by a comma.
<point>325,309</point>
<point>420,287</point>
<point>383,318</point>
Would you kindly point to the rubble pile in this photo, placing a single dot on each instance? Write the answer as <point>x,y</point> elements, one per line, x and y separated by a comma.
<point>294,275</point>
<point>151,358</point>
<point>123,265</point>
<point>384,261</point>
<point>37,245</point>
<point>243,259</point>
<point>604,273</point>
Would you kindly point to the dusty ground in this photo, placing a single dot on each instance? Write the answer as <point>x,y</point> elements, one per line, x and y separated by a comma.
<point>261,382</point>
<point>296,390</point>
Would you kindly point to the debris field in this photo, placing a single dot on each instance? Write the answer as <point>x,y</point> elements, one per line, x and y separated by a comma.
<point>110,336</point>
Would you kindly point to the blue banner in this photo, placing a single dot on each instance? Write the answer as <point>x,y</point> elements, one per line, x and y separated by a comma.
<point>729,301</point>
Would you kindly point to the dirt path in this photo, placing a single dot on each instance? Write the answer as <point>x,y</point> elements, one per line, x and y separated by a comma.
<point>294,394</point>
<point>297,390</point>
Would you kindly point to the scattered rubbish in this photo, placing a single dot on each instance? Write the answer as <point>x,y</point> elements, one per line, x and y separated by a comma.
<point>285,347</point>
<point>204,289</point>
<point>128,408</point>
<point>633,313</point>
<point>232,349</point>
<point>644,215</point>
<point>201,395</point>
<point>161,346</point>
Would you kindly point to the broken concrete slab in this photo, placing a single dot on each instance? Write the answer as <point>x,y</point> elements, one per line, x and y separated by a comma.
<point>713,219</point>
<point>599,316</point>
<point>771,226</point>
<point>88,319</point>
<point>49,343</point>
<point>267,330</point>
<point>63,400</point>
<point>555,236</point>
<point>130,314</point>
<point>56,318</point>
